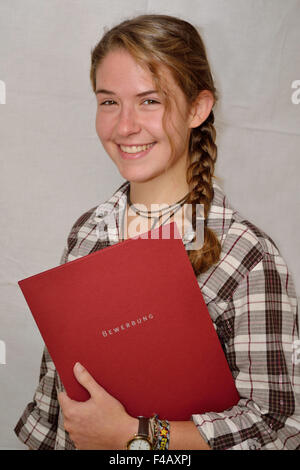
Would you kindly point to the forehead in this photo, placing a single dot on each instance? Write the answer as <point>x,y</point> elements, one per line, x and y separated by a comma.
<point>120,72</point>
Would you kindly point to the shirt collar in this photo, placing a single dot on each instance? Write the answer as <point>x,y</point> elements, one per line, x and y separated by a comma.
<point>219,217</point>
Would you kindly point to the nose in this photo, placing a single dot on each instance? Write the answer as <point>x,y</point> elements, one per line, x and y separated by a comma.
<point>128,122</point>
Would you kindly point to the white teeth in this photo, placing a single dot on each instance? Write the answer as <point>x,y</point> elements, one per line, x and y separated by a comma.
<point>135,149</point>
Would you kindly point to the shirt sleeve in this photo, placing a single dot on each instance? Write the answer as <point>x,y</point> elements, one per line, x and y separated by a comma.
<point>260,332</point>
<point>38,425</point>
<point>41,424</point>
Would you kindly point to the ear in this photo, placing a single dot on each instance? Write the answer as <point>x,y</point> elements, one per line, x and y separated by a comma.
<point>201,108</point>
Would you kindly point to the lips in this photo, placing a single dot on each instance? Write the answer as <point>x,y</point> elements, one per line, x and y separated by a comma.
<point>135,148</point>
<point>133,152</point>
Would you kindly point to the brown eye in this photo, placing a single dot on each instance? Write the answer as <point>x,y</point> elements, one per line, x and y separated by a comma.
<point>106,101</point>
<point>152,101</point>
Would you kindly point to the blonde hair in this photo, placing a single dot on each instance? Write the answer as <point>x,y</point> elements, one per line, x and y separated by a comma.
<point>156,40</point>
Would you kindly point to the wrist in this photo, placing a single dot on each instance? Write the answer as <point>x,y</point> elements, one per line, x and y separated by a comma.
<point>143,437</point>
<point>129,430</point>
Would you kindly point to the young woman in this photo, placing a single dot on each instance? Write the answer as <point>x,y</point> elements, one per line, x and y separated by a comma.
<point>155,98</point>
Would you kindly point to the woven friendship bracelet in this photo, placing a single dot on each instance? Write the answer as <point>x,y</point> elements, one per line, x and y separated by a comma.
<point>164,435</point>
<point>161,434</point>
<point>153,430</point>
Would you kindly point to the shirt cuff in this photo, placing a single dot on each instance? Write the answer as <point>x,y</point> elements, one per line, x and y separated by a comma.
<point>233,429</point>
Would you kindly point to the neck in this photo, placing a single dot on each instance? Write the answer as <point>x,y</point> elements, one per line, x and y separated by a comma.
<point>163,189</point>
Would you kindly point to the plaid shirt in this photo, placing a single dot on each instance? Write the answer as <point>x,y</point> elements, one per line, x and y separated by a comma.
<point>252,302</point>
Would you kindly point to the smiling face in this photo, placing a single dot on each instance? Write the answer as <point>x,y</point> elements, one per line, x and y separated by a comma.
<point>129,120</point>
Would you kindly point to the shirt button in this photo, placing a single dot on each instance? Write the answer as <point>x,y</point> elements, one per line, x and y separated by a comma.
<point>253,444</point>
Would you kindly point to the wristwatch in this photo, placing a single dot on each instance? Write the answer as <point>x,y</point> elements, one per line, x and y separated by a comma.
<point>141,440</point>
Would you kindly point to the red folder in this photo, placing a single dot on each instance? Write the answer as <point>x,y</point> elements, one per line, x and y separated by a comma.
<point>133,315</point>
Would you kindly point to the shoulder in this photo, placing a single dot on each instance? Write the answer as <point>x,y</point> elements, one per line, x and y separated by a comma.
<point>245,249</point>
<point>238,235</point>
<point>84,237</point>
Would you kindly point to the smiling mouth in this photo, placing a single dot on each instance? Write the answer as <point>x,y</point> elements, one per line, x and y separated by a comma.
<point>135,148</point>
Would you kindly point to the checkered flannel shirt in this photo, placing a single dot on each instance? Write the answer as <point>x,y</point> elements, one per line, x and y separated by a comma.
<point>252,302</point>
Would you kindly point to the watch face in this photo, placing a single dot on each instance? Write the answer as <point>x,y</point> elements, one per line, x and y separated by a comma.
<point>139,444</point>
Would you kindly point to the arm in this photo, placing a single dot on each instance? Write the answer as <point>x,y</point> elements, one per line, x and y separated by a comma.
<point>38,424</point>
<point>259,330</point>
<point>185,436</point>
<point>102,422</point>
<point>260,327</point>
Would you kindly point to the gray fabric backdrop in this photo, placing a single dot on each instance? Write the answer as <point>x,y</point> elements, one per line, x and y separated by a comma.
<point>53,167</point>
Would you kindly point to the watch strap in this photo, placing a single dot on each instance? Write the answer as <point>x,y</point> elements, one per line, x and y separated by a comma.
<point>143,429</point>
<point>143,432</point>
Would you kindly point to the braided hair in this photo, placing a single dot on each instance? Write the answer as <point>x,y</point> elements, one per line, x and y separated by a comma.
<point>203,151</point>
<point>156,40</point>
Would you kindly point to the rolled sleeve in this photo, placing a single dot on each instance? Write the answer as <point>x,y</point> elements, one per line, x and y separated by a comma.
<point>260,331</point>
<point>40,427</point>
<point>37,426</point>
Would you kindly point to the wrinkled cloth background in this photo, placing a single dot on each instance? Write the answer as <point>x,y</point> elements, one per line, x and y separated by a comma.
<point>53,167</point>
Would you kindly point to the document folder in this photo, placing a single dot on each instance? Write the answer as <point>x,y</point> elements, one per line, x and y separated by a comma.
<point>134,316</point>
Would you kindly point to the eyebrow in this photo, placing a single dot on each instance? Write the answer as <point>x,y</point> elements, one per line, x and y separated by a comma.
<point>108,92</point>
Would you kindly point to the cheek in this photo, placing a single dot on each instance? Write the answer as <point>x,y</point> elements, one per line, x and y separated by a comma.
<point>103,128</point>
<point>179,133</point>
<point>155,125</point>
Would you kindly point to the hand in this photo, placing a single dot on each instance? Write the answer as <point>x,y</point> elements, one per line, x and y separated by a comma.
<point>99,423</point>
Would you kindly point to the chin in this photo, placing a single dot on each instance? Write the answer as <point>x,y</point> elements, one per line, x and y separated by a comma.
<point>136,177</point>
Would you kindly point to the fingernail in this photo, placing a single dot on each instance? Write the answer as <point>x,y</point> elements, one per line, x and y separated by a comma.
<point>79,367</point>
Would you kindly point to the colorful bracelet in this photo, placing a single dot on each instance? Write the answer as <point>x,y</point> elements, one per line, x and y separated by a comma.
<point>161,433</point>
<point>153,431</point>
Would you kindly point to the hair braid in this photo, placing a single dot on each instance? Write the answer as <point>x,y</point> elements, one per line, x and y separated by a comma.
<point>200,173</point>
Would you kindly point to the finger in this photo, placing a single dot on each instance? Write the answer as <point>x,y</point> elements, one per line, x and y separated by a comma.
<point>86,380</point>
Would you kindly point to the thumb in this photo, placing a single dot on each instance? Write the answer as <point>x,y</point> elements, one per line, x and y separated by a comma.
<point>64,400</point>
<point>85,379</point>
